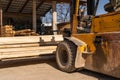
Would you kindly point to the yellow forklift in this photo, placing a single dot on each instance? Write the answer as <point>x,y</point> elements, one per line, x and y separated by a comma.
<point>93,42</point>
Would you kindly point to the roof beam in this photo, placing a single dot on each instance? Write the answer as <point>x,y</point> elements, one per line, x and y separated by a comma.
<point>8,5</point>
<point>12,14</point>
<point>40,5</point>
<point>64,1</point>
<point>23,6</point>
<point>0,4</point>
<point>47,11</point>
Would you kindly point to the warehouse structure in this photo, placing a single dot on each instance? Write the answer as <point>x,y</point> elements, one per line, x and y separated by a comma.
<point>27,12</point>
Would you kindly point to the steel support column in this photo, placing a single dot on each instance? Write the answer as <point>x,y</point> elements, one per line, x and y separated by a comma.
<point>1,22</point>
<point>34,16</point>
<point>54,17</point>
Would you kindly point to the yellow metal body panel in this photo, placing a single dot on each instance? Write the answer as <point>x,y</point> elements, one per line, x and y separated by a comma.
<point>88,39</point>
<point>106,57</point>
<point>101,24</point>
<point>106,23</point>
<point>74,21</point>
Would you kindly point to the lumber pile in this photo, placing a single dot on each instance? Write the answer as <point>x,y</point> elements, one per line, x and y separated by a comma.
<point>27,46</point>
<point>25,32</point>
<point>7,31</point>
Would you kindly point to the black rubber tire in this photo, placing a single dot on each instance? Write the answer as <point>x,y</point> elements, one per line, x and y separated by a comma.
<point>65,56</point>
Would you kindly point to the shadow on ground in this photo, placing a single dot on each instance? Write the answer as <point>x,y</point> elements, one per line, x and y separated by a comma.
<point>97,75</point>
<point>49,59</point>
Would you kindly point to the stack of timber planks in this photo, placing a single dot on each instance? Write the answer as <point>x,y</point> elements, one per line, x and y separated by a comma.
<point>27,46</point>
<point>26,32</point>
<point>7,31</point>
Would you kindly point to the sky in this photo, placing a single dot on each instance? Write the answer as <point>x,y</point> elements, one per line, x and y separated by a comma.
<point>99,11</point>
<point>101,7</point>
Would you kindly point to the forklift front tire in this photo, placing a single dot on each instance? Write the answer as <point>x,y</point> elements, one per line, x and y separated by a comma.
<point>65,56</point>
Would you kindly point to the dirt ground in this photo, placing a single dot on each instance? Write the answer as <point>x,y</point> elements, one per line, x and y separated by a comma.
<point>43,68</point>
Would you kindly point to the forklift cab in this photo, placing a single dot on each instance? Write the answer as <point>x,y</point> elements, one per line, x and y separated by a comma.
<point>83,11</point>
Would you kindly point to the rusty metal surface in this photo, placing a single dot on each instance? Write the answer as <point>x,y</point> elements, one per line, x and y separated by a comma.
<point>106,60</point>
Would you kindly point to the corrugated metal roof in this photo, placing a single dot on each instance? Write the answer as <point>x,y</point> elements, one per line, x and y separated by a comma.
<point>25,6</point>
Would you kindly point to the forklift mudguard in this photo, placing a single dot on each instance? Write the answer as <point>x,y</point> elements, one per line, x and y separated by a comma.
<point>79,60</point>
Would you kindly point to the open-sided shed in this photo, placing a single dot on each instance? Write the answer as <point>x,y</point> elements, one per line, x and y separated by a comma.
<point>25,11</point>
<point>28,11</point>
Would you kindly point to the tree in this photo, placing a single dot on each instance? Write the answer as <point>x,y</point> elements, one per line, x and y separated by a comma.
<point>63,14</point>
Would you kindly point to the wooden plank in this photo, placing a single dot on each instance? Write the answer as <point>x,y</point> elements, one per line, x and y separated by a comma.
<point>21,31</point>
<point>24,54</point>
<point>30,39</point>
<point>10,1</point>
<point>43,48</point>
<point>24,6</point>
<point>40,4</point>
<point>26,32</point>
<point>20,45</point>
